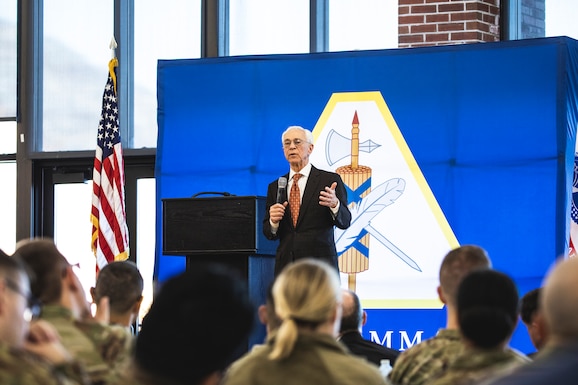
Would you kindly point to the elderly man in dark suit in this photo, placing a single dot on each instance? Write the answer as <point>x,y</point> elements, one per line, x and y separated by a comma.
<point>304,218</point>
<point>352,320</point>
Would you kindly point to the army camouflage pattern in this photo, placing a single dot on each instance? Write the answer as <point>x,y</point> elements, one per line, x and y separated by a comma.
<point>132,375</point>
<point>18,367</point>
<point>476,365</point>
<point>101,349</point>
<point>428,359</point>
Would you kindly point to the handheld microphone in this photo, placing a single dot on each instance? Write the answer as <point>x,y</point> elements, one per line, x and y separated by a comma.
<point>281,187</point>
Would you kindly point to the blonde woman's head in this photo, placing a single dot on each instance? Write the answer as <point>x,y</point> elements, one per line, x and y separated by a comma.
<point>307,296</point>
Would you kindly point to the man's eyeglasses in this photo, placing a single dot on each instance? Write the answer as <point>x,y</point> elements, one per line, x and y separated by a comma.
<point>296,142</point>
<point>32,305</point>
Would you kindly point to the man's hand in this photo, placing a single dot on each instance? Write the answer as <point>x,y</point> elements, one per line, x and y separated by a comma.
<point>43,340</point>
<point>328,198</point>
<point>276,212</point>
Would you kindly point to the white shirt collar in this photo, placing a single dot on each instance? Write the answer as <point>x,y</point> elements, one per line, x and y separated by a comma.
<point>305,171</point>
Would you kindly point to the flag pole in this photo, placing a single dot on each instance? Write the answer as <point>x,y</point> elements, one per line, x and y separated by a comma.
<point>113,61</point>
<point>110,239</point>
<point>113,46</point>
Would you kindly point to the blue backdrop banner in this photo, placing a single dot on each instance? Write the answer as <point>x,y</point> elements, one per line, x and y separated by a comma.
<point>470,144</point>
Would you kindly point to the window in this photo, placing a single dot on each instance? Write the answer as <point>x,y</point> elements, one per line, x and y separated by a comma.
<point>8,206</point>
<point>7,137</point>
<point>359,25</point>
<point>146,220</point>
<point>172,31</point>
<point>538,18</point>
<point>268,27</point>
<point>76,51</point>
<point>8,58</point>
<point>560,18</point>
<point>72,229</point>
<point>8,190</point>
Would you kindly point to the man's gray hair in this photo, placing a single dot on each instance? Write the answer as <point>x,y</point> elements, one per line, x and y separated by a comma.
<point>308,134</point>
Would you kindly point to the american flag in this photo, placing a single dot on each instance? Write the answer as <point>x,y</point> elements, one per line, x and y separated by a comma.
<point>109,229</point>
<point>574,210</point>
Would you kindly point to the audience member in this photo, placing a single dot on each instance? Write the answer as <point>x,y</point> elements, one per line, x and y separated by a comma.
<point>267,314</point>
<point>121,282</point>
<point>352,320</point>
<point>533,318</point>
<point>99,347</point>
<point>30,353</point>
<point>304,350</point>
<point>193,330</point>
<point>487,307</point>
<point>267,317</point>
<point>431,357</point>
<point>557,361</point>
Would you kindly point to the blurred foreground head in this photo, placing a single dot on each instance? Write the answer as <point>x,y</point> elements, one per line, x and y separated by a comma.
<point>559,301</point>
<point>15,298</point>
<point>195,326</point>
<point>487,305</point>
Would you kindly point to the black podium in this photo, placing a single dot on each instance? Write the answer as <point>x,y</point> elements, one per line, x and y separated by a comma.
<point>226,230</point>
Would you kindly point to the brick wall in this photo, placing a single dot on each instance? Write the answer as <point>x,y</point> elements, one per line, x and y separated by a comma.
<point>442,22</point>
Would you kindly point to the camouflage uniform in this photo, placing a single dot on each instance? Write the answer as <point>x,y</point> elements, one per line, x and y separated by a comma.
<point>18,367</point>
<point>102,349</point>
<point>316,358</point>
<point>474,365</point>
<point>427,359</point>
<point>132,375</point>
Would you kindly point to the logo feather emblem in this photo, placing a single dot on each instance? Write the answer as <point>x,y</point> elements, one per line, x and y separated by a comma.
<point>371,205</point>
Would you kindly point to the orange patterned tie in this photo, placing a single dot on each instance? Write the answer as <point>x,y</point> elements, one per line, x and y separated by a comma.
<point>295,199</point>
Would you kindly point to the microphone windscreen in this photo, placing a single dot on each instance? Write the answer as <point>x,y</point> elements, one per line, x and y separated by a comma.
<point>281,187</point>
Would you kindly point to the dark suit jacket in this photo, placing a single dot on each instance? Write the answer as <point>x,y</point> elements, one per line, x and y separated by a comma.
<point>312,237</point>
<point>370,350</point>
<point>552,365</point>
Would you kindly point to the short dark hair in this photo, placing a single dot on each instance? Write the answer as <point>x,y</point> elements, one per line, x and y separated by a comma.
<point>529,305</point>
<point>457,264</point>
<point>10,267</point>
<point>352,315</point>
<point>48,266</point>
<point>122,283</point>
<point>487,306</point>
<point>195,325</point>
